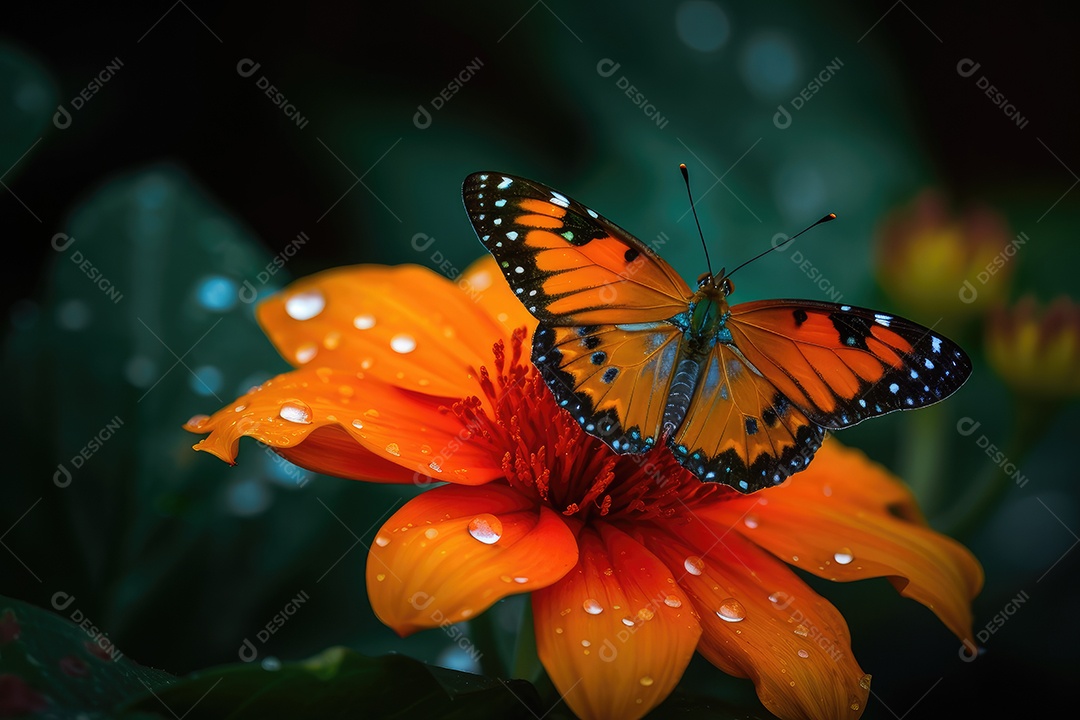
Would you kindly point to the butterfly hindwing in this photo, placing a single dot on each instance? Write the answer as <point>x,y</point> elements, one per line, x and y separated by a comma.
<point>566,263</point>
<point>740,430</point>
<point>842,364</point>
<point>613,381</point>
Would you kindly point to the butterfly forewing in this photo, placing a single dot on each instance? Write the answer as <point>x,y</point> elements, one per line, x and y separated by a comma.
<point>566,263</point>
<point>842,364</point>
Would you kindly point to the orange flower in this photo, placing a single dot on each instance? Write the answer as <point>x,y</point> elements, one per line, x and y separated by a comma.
<point>632,562</point>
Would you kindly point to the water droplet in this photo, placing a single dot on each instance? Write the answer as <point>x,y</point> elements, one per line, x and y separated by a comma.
<point>393,449</point>
<point>592,607</point>
<point>372,413</point>
<point>402,344</point>
<point>364,322</point>
<point>864,682</point>
<point>801,630</point>
<point>672,601</point>
<point>296,412</point>
<point>750,521</point>
<point>521,580</point>
<point>306,352</point>
<point>694,565</point>
<point>645,614</point>
<point>305,305</point>
<point>217,293</point>
<point>627,622</point>
<point>585,643</point>
<point>435,466</point>
<point>358,425</point>
<point>380,577</point>
<point>431,533</point>
<point>425,449</point>
<point>240,408</point>
<point>843,556</point>
<point>854,705</point>
<point>777,596</point>
<point>646,680</point>
<point>731,610</point>
<point>486,528</point>
<point>804,654</point>
<point>197,421</point>
<point>382,540</point>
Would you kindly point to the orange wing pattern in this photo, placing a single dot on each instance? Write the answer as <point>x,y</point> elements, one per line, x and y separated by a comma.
<point>842,364</point>
<point>566,263</point>
<point>743,396</point>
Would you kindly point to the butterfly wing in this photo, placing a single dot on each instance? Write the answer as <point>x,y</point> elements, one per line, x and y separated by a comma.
<point>740,430</point>
<point>567,264</point>
<point>841,364</point>
<point>603,298</point>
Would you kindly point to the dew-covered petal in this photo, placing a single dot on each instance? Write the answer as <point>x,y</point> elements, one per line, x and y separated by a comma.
<point>451,552</point>
<point>760,621</point>
<point>405,325</point>
<point>616,633</point>
<point>846,518</point>
<point>344,423</point>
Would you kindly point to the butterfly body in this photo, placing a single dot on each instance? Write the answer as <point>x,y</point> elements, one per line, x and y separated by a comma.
<point>741,394</point>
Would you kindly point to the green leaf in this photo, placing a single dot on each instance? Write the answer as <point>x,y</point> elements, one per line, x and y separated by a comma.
<point>338,683</point>
<point>63,663</point>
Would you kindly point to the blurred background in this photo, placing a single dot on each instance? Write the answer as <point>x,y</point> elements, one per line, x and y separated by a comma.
<point>162,166</point>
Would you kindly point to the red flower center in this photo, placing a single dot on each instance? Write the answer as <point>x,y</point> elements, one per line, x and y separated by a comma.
<point>548,456</point>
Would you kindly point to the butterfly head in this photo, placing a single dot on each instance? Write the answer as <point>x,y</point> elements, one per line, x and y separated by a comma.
<point>718,282</point>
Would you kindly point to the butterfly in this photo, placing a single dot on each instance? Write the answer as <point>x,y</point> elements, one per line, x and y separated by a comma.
<point>742,394</point>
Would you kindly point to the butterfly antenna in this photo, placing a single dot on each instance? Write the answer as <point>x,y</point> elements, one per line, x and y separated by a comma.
<point>686,179</point>
<point>827,218</point>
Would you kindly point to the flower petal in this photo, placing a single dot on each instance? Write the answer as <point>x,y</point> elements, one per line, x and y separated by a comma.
<point>405,325</point>
<point>616,633</point>
<point>452,552</point>
<point>762,622</point>
<point>343,423</point>
<point>846,518</point>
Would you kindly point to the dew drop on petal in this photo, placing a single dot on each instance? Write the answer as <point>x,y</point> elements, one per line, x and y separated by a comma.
<point>306,352</point>
<point>592,606</point>
<point>382,540</point>
<point>296,412</point>
<point>864,682</point>
<point>801,630</point>
<point>435,466</point>
<point>585,643</point>
<point>305,305</point>
<point>364,322</point>
<point>393,449</point>
<point>843,556</point>
<point>380,577</point>
<point>402,343</point>
<point>777,596</point>
<point>627,622</point>
<point>804,654</point>
<point>521,580</point>
<point>486,528</point>
<point>731,610</point>
<point>646,680</point>
<point>358,425</point>
<point>431,533</point>
<point>673,601</point>
<point>694,565</point>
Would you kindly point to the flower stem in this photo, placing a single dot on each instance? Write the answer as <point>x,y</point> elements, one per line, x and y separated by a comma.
<point>925,441</point>
<point>973,510</point>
